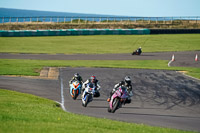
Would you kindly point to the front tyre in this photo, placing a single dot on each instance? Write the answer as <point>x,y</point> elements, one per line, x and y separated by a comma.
<point>86,101</point>
<point>109,110</point>
<point>115,105</point>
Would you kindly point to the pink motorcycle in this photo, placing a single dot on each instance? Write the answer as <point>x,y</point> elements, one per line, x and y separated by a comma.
<point>118,98</point>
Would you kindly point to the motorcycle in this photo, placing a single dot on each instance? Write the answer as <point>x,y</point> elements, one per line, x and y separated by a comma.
<point>117,99</point>
<point>88,94</point>
<point>75,89</point>
<point>137,52</point>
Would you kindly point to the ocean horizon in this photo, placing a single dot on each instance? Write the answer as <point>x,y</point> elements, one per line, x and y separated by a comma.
<point>8,15</point>
<point>9,12</point>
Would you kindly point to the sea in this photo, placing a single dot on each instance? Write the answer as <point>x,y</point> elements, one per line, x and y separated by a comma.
<point>20,15</point>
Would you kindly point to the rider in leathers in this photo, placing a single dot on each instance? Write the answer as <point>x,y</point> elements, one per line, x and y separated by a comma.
<point>76,77</point>
<point>127,84</point>
<point>93,80</point>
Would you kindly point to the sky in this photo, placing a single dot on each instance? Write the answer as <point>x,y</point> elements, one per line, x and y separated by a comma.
<point>145,8</point>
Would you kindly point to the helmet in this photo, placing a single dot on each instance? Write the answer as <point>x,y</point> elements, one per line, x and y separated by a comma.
<point>93,78</point>
<point>127,80</point>
<point>76,75</point>
<point>140,47</point>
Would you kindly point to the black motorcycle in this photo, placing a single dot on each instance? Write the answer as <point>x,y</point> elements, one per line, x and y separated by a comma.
<point>137,52</point>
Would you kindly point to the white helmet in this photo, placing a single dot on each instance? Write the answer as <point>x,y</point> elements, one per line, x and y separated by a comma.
<point>127,80</point>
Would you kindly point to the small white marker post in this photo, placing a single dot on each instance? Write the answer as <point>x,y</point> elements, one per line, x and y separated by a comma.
<point>196,57</point>
<point>173,59</point>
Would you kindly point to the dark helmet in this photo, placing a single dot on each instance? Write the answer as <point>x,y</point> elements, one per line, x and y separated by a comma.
<point>76,75</point>
<point>127,80</point>
<point>93,78</point>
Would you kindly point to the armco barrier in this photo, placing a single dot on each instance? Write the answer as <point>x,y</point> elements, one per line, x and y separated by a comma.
<point>70,32</point>
<point>174,31</point>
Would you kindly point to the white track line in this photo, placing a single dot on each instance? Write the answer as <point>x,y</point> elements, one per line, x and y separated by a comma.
<point>181,72</point>
<point>62,96</point>
<point>188,76</point>
<point>169,63</point>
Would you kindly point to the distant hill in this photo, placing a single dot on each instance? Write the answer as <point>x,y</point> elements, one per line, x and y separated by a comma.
<point>7,12</point>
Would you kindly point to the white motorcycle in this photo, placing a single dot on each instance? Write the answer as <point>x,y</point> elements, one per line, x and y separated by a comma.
<point>88,94</point>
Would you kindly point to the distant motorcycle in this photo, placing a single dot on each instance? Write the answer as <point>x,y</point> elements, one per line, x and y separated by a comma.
<point>117,99</point>
<point>75,89</point>
<point>137,52</point>
<point>88,94</point>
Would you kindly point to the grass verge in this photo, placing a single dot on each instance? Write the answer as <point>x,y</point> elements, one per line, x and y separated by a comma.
<point>27,113</point>
<point>31,67</point>
<point>100,44</point>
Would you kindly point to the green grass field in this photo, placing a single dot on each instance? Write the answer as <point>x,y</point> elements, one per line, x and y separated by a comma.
<point>27,113</point>
<point>31,67</point>
<point>100,44</point>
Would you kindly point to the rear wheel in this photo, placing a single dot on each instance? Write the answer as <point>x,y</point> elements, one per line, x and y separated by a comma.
<point>96,94</point>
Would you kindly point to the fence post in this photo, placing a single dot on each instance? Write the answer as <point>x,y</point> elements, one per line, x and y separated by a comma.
<point>181,21</point>
<point>156,20</point>
<point>17,20</point>
<point>149,20</point>
<point>71,20</point>
<point>172,20</point>
<point>57,19</point>
<point>163,20</point>
<point>79,20</point>
<point>64,19</point>
<point>189,20</point>
<point>196,19</point>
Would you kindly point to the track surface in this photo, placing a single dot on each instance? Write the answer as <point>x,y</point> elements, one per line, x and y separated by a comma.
<point>161,98</point>
<point>183,59</point>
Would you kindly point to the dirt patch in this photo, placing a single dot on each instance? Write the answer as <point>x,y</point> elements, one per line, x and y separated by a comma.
<point>51,73</point>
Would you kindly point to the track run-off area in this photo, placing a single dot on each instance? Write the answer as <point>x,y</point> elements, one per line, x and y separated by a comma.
<point>161,97</point>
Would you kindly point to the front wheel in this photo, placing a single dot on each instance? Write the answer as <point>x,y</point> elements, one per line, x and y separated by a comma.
<point>86,101</point>
<point>115,105</point>
<point>109,110</point>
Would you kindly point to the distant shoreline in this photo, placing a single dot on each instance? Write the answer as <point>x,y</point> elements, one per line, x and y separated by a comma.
<point>48,26</point>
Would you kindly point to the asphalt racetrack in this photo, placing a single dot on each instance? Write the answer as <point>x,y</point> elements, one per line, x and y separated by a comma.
<point>161,98</point>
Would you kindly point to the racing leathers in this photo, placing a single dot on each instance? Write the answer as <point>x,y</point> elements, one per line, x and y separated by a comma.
<point>76,78</point>
<point>97,86</point>
<point>128,87</point>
